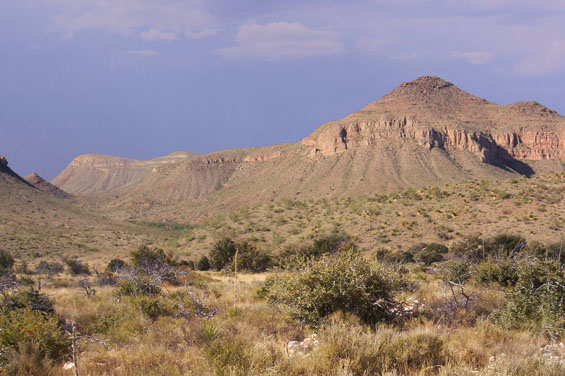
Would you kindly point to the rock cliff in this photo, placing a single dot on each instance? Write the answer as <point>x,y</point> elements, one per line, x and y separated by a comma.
<point>435,113</point>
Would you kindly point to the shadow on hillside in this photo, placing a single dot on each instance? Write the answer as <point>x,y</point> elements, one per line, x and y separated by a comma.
<point>509,163</point>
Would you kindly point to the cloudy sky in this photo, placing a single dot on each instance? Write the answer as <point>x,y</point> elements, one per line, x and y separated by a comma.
<point>143,78</point>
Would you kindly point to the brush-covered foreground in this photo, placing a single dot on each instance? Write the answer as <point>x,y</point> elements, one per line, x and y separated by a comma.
<point>495,307</point>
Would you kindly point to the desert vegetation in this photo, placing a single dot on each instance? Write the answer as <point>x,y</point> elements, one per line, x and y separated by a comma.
<point>483,305</point>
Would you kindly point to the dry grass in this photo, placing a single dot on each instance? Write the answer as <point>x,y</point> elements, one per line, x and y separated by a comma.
<point>251,339</point>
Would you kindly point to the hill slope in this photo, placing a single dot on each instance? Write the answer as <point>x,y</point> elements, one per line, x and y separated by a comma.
<point>424,132</point>
<point>44,186</point>
<point>91,173</point>
<point>36,223</point>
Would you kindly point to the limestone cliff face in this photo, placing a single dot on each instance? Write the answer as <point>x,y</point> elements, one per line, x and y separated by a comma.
<point>339,137</point>
<point>434,113</point>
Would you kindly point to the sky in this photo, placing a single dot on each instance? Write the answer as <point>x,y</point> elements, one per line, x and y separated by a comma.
<point>144,78</point>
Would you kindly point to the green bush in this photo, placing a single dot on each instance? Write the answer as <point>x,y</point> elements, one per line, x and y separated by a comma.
<point>21,326</point>
<point>151,306</point>
<point>115,265</point>
<point>29,299</point>
<point>150,258</point>
<point>6,262</point>
<point>222,253</point>
<point>52,268</point>
<point>503,271</point>
<point>475,249</point>
<point>138,285</point>
<point>343,282</point>
<point>76,267</point>
<point>203,264</point>
<point>251,259</point>
<point>292,257</point>
<point>538,297</point>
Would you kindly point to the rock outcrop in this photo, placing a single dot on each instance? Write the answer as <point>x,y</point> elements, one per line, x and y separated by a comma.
<point>435,113</point>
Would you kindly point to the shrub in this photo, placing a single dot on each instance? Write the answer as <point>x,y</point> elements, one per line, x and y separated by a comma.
<point>343,282</point>
<point>503,271</point>
<point>138,285</point>
<point>222,253</point>
<point>203,264</point>
<point>45,267</point>
<point>115,265</point>
<point>76,267</point>
<point>6,263</point>
<point>475,249</point>
<point>150,306</point>
<point>250,259</point>
<point>29,299</point>
<point>150,258</point>
<point>22,326</point>
<point>538,297</point>
<point>293,257</point>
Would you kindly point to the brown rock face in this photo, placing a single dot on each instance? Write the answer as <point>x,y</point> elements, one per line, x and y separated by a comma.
<point>435,113</point>
<point>3,161</point>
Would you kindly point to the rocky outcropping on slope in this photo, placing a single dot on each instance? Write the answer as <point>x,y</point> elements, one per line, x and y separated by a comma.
<point>435,113</point>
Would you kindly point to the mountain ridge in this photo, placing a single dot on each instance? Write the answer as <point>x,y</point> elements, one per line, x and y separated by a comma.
<point>423,132</point>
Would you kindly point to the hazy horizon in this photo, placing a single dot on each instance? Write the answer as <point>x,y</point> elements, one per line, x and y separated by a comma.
<point>144,78</point>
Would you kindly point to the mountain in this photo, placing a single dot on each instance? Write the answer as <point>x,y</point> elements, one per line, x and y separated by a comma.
<point>91,173</point>
<point>44,186</point>
<point>38,223</point>
<point>424,132</point>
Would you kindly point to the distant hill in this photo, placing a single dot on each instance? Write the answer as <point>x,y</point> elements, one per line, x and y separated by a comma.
<point>44,186</point>
<point>36,223</point>
<point>91,173</point>
<point>424,132</point>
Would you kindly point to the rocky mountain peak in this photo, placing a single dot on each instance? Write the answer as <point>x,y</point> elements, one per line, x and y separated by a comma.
<point>3,161</point>
<point>428,92</point>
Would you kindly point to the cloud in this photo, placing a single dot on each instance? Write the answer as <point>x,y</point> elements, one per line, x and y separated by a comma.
<point>149,19</point>
<point>282,40</point>
<point>142,52</point>
<point>549,58</point>
<point>473,57</point>
<point>372,45</point>
<point>200,34</point>
<point>156,34</point>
